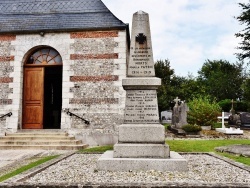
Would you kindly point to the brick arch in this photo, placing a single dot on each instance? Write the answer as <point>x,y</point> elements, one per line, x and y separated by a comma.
<point>34,49</point>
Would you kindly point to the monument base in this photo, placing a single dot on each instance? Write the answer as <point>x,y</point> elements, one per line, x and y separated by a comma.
<point>176,162</point>
<point>142,133</point>
<point>141,150</point>
<point>229,130</point>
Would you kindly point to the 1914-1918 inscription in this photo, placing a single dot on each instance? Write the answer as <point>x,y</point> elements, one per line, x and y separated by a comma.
<point>141,107</point>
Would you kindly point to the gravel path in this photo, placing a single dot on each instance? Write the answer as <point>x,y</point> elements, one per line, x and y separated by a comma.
<point>81,168</point>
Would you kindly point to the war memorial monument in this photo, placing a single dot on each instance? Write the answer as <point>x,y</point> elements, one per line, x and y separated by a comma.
<point>141,140</point>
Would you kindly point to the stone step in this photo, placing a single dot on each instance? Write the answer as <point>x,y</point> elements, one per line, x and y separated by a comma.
<point>45,137</point>
<point>43,147</point>
<point>44,140</point>
<point>41,142</point>
<point>38,134</point>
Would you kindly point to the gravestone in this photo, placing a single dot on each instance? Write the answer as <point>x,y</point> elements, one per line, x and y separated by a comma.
<point>141,140</point>
<point>245,119</point>
<point>179,116</point>
<point>166,116</point>
<point>183,115</point>
<point>175,115</point>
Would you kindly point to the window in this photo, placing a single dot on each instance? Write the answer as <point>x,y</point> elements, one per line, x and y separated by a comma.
<point>45,56</point>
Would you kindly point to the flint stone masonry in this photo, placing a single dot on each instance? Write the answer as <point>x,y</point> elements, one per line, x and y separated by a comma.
<point>6,69</point>
<point>99,89</point>
<point>92,44</point>
<point>99,46</point>
<point>94,78</point>
<point>91,88</point>
<point>95,91</point>
<point>102,66</point>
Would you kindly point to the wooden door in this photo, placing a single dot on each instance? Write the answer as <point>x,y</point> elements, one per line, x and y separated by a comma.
<point>33,97</point>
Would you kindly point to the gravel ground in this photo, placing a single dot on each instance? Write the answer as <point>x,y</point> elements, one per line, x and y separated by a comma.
<point>81,168</point>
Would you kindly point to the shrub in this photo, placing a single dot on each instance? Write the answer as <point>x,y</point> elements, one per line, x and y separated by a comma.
<point>191,128</point>
<point>226,105</point>
<point>217,125</point>
<point>203,111</point>
<point>167,126</point>
<point>239,106</point>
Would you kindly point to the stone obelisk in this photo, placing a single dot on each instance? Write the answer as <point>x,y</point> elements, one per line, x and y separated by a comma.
<point>141,140</point>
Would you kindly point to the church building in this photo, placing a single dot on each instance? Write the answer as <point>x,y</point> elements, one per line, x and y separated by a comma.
<point>61,68</point>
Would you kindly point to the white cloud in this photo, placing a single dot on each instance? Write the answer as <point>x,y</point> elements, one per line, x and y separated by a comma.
<point>187,32</point>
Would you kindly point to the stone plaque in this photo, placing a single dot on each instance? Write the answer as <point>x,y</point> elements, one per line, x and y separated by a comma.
<point>141,62</point>
<point>141,107</point>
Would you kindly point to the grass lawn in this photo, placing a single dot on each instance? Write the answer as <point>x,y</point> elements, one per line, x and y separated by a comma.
<point>26,167</point>
<point>207,146</point>
<point>99,149</point>
<point>201,145</point>
<point>190,146</point>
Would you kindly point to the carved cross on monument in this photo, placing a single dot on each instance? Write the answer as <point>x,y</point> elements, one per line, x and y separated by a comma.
<point>141,38</point>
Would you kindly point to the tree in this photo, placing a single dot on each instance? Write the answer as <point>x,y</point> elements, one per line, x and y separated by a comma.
<point>164,71</point>
<point>244,35</point>
<point>186,87</point>
<point>221,79</point>
<point>174,86</point>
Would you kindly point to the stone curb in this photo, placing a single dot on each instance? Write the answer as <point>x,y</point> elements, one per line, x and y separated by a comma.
<point>15,182</point>
<point>35,170</point>
<point>230,161</point>
<point>136,185</point>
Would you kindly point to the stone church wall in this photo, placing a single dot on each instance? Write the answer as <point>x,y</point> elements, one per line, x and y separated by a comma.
<point>97,68</point>
<point>94,64</point>
<point>6,80</point>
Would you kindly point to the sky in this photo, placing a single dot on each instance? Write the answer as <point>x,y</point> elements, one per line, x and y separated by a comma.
<point>187,32</point>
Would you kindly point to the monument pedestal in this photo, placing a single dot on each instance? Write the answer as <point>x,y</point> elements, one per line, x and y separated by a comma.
<point>175,162</point>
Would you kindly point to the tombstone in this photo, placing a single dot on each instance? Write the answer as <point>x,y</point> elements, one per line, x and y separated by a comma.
<point>175,115</point>
<point>166,116</point>
<point>183,115</point>
<point>245,119</point>
<point>141,140</point>
<point>234,121</point>
<point>179,117</point>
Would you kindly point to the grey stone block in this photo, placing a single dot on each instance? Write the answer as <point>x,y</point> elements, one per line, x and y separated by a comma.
<point>175,163</point>
<point>141,151</point>
<point>141,133</point>
<point>141,83</point>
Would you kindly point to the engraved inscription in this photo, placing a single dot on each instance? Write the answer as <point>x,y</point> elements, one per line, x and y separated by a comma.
<point>141,61</point>
<point>141,107</point>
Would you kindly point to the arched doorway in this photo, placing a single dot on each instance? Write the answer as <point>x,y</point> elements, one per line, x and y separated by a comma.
<point>42,90</point>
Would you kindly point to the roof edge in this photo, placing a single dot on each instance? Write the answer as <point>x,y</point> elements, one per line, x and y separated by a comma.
<point>125,27</point>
